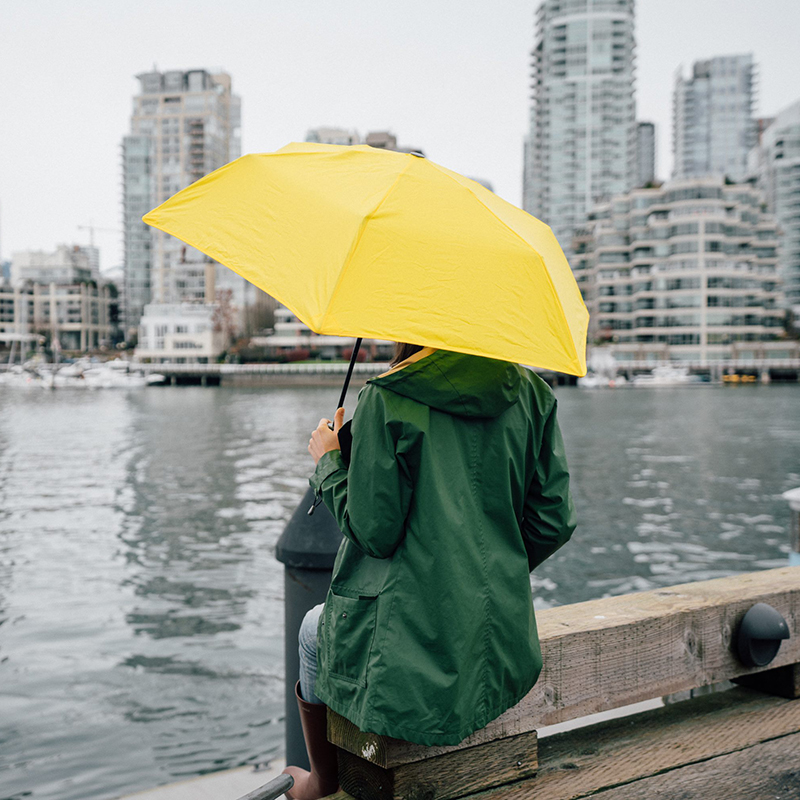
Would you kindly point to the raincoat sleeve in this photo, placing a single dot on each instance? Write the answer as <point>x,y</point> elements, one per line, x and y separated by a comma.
<point>370,499</point>
<point>549,514</point>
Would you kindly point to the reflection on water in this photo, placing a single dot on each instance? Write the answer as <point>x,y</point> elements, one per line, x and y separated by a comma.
<point>140,601</point>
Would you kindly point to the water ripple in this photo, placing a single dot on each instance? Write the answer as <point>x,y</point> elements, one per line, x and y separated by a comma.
<point>141,604</point>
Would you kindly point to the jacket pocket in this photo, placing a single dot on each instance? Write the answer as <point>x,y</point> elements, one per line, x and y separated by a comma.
<point>350,624</point>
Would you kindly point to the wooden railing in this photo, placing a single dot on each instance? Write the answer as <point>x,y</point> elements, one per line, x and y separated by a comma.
<point>605,654</point>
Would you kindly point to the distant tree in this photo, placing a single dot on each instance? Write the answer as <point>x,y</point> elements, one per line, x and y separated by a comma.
<point>224,314</point>
<point>347,354</point>
<point>298,354</point>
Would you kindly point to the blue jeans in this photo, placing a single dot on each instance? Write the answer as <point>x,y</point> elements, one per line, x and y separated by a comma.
<point>307,641</point>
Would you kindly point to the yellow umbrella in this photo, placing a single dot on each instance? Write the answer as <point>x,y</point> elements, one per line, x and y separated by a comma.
<point>373,243</point>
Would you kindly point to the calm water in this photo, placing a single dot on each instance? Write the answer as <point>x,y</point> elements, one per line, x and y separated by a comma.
<point>140,601</point>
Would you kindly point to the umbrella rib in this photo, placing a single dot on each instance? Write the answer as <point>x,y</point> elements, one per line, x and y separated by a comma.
<point>357,240</point>
<point>521,238</point>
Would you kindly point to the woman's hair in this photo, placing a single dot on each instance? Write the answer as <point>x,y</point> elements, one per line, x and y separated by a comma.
<point>402,351</point>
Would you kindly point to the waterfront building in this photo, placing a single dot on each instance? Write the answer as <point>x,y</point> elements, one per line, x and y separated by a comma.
<point>184,125</point>
<point>645,153</point>
<point>775,162</point>
<point>713,125</point>
<point>292,337</point>
<point>685,272</point>
<point>66,264</point>
<point>69,316</point>
<point>582,141</point>
<point>182,333</point>
<point>60,296</point>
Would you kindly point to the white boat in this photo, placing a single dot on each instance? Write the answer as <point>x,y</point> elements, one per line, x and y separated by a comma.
<point>18,377</point>
<point>86,374</point>
<point>667,376</point>
<point>592,382</point>
<point>102,377</point>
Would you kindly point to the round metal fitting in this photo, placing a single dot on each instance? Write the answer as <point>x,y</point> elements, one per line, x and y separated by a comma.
<point>760,634</point>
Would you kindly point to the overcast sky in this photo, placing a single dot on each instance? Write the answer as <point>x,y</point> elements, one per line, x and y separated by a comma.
<point>448,77</point>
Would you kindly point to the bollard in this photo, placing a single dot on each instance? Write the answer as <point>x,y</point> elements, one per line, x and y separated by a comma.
<point>793,497</point>
<point>307,548</point>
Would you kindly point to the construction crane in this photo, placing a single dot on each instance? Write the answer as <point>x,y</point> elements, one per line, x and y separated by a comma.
<point>92,228</point>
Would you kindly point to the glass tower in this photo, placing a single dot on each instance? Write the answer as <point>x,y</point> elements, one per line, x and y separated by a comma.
<point>582,142</point>
<point>713,125</point>
<point>183,126</point>
<point>776,164</point>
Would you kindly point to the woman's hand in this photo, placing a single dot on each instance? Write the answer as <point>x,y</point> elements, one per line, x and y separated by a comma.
<point>323,438</point>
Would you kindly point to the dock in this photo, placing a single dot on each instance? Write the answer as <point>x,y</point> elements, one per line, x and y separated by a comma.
<point>736,736</point>
<point>641,696</point>
<point>331,373</point>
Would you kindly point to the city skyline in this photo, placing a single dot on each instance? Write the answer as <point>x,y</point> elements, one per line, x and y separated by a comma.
<point>456,83</point>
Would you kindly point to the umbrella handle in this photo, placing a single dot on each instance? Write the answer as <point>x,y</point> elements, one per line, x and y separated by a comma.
<point>349,375</point>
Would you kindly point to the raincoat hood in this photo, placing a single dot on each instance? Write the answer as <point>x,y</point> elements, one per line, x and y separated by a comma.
<point>458,384</point>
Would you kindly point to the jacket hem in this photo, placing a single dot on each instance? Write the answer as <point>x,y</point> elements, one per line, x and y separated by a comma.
<point>426,738</point>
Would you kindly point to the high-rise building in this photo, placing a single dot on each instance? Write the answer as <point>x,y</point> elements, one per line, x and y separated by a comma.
<point>184,125</point>
<point>340,136</point>
<point>687,271</point>
<point>712,122</point>
<point>775,162</point>
<point>582,141</point>
<point>645,153</point>
<point>382,140</point>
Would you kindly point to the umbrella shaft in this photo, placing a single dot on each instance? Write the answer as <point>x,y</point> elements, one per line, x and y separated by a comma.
<point>349,372</point>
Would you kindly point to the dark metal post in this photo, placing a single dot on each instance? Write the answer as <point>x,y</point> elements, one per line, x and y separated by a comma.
<point>307,549</point>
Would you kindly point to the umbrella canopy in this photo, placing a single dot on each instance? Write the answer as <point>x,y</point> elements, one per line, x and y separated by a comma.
<point>363,242</point>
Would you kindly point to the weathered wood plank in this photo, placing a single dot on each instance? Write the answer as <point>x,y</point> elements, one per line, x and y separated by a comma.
<point>387,752</point>
<point>783,681</point>
<point>766,770</point>
<point>588,760</point>
<point>443,777</point>
<point>606,653</point>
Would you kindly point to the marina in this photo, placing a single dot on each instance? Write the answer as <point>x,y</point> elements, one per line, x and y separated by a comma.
<point>83,373</point>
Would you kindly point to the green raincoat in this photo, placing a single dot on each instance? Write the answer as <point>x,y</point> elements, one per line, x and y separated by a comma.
<point>457,488</point>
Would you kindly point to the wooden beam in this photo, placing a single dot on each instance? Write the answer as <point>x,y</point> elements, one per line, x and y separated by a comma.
<point>597,758</point>
<point>443,777</point>
<point>607,653</point>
